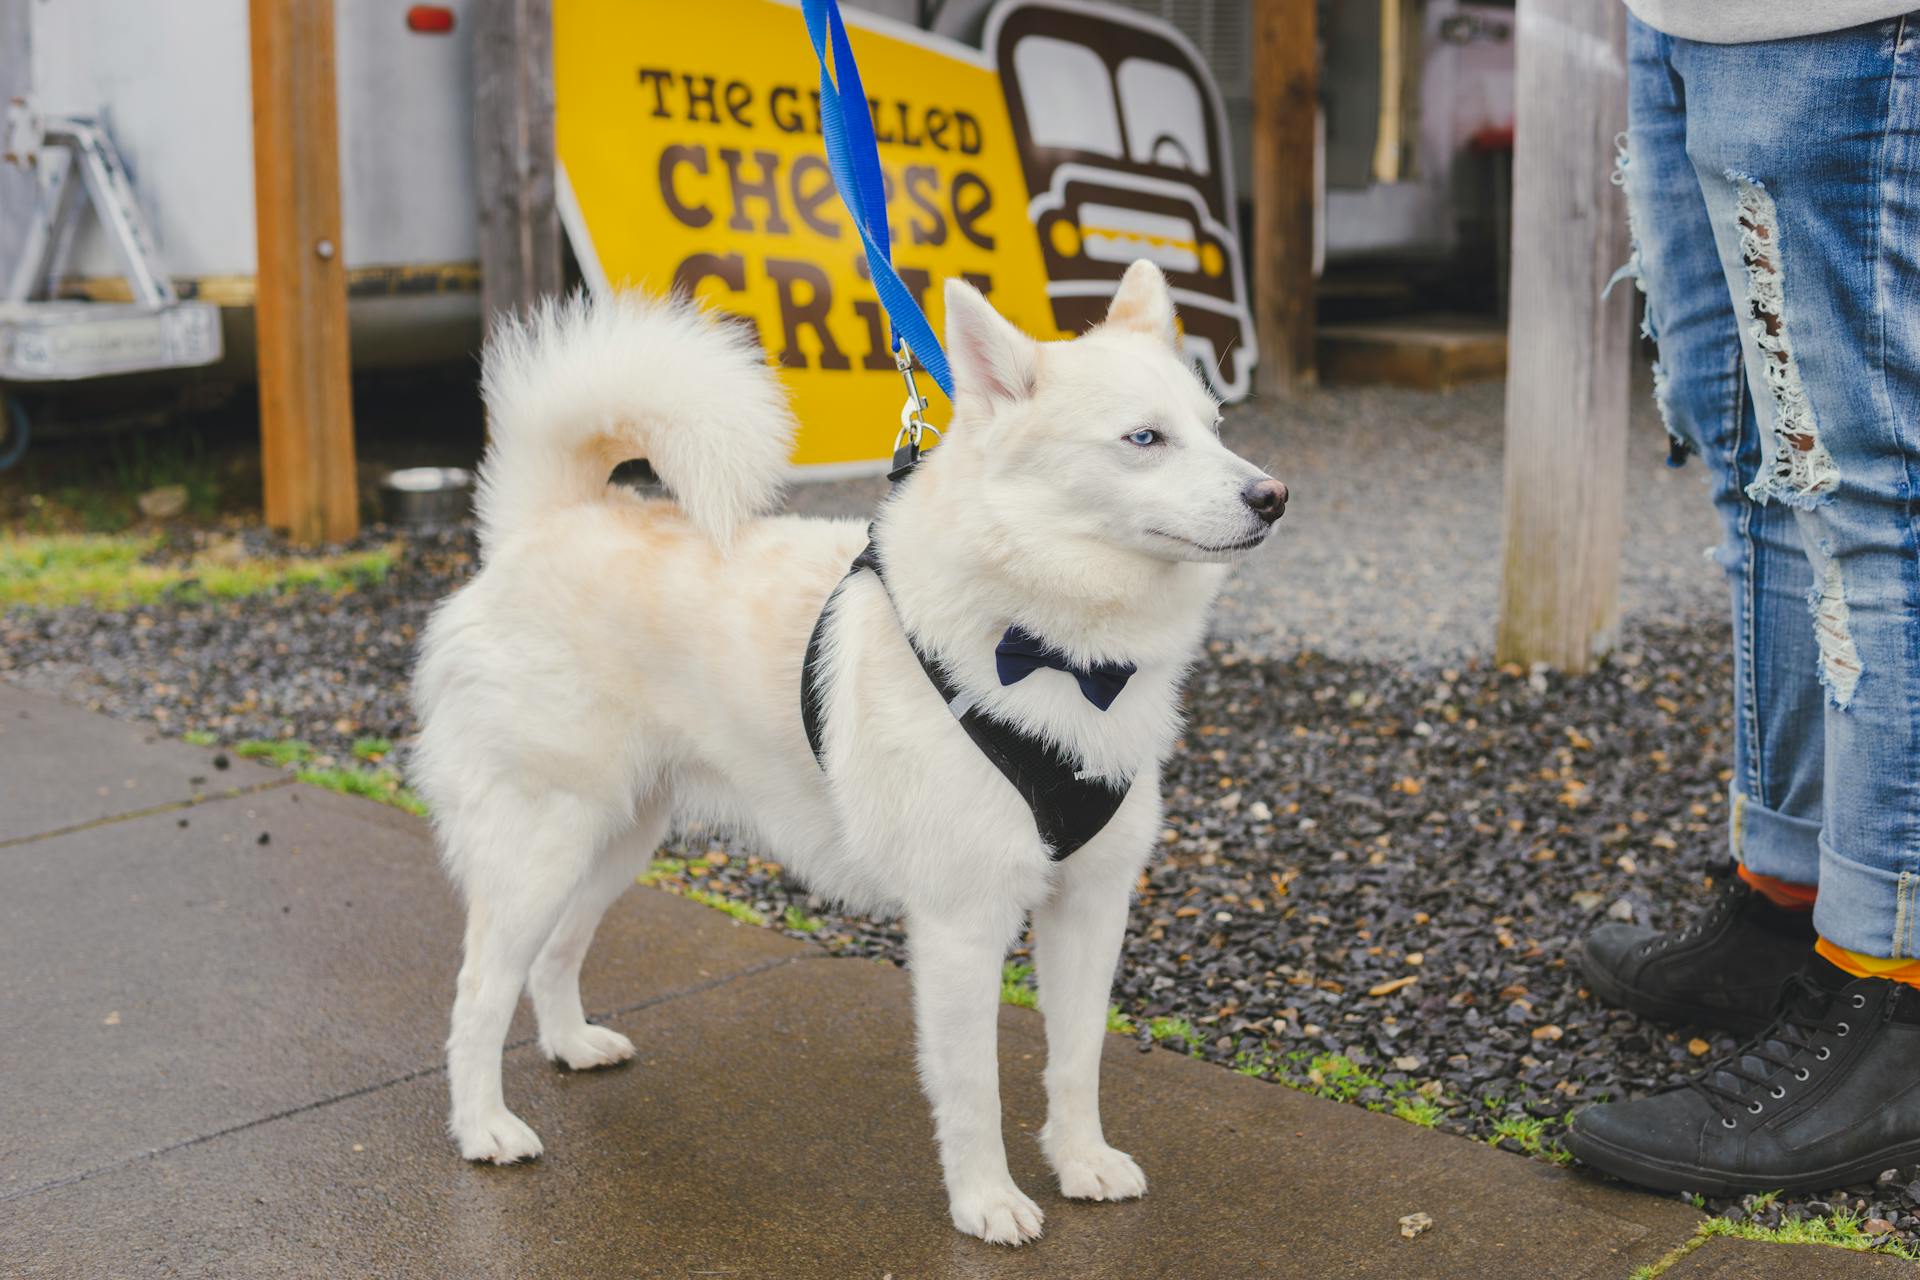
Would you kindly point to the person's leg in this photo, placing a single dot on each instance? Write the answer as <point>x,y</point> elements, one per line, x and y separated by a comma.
<point>1817,214</point>
<point>1724,967</point>
<point>1806,153</point>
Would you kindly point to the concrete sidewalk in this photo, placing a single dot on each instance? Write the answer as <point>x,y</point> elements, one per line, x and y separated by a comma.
<point>221,1001</point>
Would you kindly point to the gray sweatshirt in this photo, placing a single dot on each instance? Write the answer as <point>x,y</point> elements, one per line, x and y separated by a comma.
<point>1741,21</point>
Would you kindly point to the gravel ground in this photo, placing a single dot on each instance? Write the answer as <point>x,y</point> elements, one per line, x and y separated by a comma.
<point>1379,848</point>
<point>1391,544</point>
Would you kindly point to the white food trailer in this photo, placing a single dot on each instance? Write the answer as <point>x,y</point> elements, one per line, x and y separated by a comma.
<point>168,85</point>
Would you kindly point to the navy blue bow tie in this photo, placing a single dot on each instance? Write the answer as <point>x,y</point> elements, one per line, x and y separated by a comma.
<point>1020,653</point>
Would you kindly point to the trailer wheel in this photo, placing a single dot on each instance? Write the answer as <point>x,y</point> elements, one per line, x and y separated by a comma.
<point>13,431</point>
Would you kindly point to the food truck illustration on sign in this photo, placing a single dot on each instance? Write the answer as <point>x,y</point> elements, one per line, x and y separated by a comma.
<point>1123,143</point>
<point>691,159</point>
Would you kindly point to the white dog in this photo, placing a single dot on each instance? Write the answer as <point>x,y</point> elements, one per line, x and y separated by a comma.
<point>620,663</point>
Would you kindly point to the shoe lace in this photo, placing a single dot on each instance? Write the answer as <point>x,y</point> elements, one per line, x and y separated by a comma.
<point>1729,1085</point>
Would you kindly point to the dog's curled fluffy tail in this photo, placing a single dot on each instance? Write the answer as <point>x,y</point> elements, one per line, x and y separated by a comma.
<point>580,386</point>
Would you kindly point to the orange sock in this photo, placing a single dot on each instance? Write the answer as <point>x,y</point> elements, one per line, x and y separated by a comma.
<point>1865,966</point>
<point>1781,893</point>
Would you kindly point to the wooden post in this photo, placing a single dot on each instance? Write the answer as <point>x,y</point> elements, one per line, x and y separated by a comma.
<point>514,160</point>
<point>300,282</point>
<point>1388,143</point>
<point>1286,77</point>
<point>1568,348</point>
<point>19,193</point>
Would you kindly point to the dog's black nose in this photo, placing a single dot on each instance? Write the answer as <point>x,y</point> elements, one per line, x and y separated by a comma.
<point>1267,497</point>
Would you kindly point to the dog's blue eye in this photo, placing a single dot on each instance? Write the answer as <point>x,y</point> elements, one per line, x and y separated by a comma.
<point>1144,436</point>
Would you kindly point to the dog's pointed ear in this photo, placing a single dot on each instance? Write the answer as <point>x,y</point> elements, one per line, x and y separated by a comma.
<point>990,357</point>
<point>1144,304</point>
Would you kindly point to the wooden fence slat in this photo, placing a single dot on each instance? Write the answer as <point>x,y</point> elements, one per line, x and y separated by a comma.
<point>1568,349</point>
<point>1285,108</point>
<point>18,191</point>
<point>300,303</point>
<point>514,154</point>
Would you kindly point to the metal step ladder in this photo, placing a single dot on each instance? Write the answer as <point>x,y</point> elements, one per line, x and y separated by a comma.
<point>45,340</point>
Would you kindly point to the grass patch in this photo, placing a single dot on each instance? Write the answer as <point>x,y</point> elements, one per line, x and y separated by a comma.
<point>371,784</point>
<point>1417,1110</point>
<point>1336,1076</point>
<point>277,751</point>
<point>1839,1230</point>
<point>372,750</point>
<point>662,869</point>
<point>1668,1260</point>
<point>1530,1133</point>
<point>381,784</point>
<point>725,906</point>
<point>1118,1023</point>
<point>1340,1079</point>
<point>55,568</point>
<point>48,571</point>
<point>670,874</point>
<point>199,738</point>
<point>799,921</point>
<point>1016,986</point>
<point>1165,1028</point>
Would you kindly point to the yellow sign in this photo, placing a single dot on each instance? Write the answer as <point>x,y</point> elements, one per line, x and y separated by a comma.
<point>691,157</point>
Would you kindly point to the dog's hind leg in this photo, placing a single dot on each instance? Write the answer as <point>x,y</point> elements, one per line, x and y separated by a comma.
<point>554,982</point>
<point>956,997</point>
<point>1076,943</point>
<point>518,877</point>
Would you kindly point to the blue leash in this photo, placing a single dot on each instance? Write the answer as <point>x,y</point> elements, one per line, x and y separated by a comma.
<point>854,158</point>
<point>1068,808</point>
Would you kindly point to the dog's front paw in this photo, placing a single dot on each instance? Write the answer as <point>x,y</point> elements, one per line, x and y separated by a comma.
<point>498,1138</point>
<point>587,1046</point>
<point>1098,1173</point>
<point>997,1214</point>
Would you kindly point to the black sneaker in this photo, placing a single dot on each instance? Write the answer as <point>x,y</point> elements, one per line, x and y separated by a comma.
<point>1723,970</point>
<point>1827,1096</point>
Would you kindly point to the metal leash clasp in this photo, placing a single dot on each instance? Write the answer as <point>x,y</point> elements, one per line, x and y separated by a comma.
<point>906,444</point>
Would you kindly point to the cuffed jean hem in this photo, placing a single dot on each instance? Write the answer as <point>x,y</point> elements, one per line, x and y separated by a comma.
<point>1772,844</point>
<point>1868,909</point>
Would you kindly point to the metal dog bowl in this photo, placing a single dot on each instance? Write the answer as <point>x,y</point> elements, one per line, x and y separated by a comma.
<point>420,496</point>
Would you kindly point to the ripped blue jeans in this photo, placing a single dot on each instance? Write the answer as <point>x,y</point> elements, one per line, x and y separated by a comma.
<point>1774,191</point>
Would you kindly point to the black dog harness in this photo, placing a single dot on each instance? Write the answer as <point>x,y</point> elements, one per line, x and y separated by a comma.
<point>1068,809</point>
